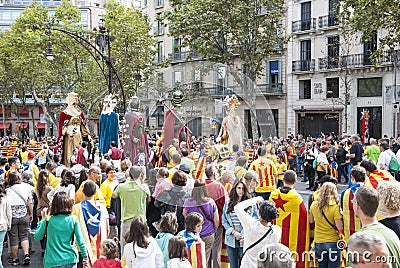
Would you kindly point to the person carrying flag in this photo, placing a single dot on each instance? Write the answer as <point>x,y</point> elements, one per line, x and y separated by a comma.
<point>267,175</point>
<point>375,176</point>
<point>293,217</point>
<point>351,223</point>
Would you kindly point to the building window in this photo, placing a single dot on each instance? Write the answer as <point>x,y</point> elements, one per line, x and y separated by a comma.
<point>304,89</point>
<point>332,88</point>
<point>274,72</point>
<point>305,55</point>
<point>369,87</point>
<point>370,47</point>
<point>177,78</point>
<point>305,16</point>
<point>158,3</point>
<point>268,122</point>
<point>160,51</point>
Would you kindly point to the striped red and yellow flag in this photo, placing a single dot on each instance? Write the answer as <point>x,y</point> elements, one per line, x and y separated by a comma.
<point>351,223</point>
<point>224,255</point>
<point>376,177</point>
<point>196,254</point>
<point>200,167</point>
<point>293,219</point>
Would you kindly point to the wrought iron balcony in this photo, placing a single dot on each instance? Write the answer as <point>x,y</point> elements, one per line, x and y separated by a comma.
<point>328,21</point>
<point>271,89</point>
<point>329,63</point>
<point>304,25</point>
<point>158,30</point>
<point>184,55</point>
<point>303,66</point>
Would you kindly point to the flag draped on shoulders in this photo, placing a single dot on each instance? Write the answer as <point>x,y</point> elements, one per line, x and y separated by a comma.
<point>376,177</point>
<point>196,249</point>
<point>200,167</point>
<point>293,219</point>
<point>351,223</point>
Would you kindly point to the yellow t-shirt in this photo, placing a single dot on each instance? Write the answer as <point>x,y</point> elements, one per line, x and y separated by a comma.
<point>54,181</point>
<point>323,231</point>
<point>79,196</point>
<point>171,152</point>
<point>282,167</point>
<point>106,190</point>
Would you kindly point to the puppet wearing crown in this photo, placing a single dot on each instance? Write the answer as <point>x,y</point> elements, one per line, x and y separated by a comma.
<point>231,130</point>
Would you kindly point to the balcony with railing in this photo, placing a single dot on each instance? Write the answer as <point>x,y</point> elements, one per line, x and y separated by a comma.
<point>304,25</point>
<point>328,21</point>
<point>184,55</point>
<point>271,89</point>
<point>303,66</point>
<point>158,30</point>
<point>355,61</point>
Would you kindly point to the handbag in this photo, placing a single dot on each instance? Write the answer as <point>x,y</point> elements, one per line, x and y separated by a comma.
<point>330,223</point>
<point>256,243</point>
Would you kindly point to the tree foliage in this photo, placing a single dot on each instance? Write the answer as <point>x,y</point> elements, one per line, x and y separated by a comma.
<point>224,31</point>
<point>133,48</point>
<point>370,16</point>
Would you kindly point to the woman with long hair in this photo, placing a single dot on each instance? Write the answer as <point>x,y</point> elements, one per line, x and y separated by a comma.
<point>231,222</point>
<point>96,156</point>
<point>201,203</point>
<point>5,217</point>
<point>325,213</point>
<point>42,189</point>
<point>67,185</point>
<point>60,228</point>
<point>141,249</point>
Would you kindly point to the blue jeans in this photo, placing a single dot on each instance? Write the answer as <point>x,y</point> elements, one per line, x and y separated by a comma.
<point>291,163</point>
<point>328,254</point>
<point>234,255</point>
<point>300,164</point>
<point>349,167</point>
<point>2,235</point>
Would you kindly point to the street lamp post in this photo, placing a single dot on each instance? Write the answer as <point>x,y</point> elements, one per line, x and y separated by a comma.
<point>103,40</point>
<point>302,117</point>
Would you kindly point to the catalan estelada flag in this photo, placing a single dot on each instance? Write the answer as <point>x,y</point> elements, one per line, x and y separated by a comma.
<point>378,176</point>
<point>351,223</point>
<point>293,219</point>
<point>333,169</point>
<point>224,255</point>
<point>196,249</point>
<point>266,172</point>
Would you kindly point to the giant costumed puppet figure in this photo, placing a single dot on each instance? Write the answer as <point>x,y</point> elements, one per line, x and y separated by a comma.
<point>109,125</point>
<point>231,130</point>
<point>71,128</point>
<point>133,131</point>
<point>175,122</point>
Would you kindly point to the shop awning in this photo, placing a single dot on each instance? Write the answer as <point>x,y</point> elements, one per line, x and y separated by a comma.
<point>8,125</point>
<point>40,125</point>
<point>22,125</point>
<point>157,111</point>
<point>24,111</point>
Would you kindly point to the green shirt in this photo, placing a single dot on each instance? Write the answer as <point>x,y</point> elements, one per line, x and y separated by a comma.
<point>373,153</point>
<point>391,239</point>
<point>133,199</point>
<point>60,248</point>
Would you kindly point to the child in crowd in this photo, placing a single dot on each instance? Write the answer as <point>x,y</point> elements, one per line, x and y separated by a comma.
<point>163,183</point>
<point>281,167</point>
<point>167,229</point>
<point>109,255</point>
<point>178,253</point>
<point>191,235</point>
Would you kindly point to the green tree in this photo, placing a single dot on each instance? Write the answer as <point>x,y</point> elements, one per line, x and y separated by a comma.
<point>133,48</point>
<point>228,32</point>
<point>370,16</point>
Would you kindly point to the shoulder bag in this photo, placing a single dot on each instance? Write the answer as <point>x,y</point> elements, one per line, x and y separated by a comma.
<point>257,242</point>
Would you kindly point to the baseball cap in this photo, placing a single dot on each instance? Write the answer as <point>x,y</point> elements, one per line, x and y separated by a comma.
<point>185,168</point>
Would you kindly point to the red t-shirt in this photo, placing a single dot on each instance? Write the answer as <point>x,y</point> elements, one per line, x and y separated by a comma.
<point>107,263</point>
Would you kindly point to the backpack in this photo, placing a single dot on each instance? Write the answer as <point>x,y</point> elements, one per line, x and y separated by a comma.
<point>315,163</point>
<point>165,155</point>
<point>394,165</point>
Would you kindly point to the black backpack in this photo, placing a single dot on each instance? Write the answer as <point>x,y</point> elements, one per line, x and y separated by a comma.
<point>165,155</point>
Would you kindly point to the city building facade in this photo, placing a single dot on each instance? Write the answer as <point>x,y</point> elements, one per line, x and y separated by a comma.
<point>334,85</point>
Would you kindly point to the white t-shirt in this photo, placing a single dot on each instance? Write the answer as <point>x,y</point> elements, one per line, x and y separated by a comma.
<point>322,158</point>
<point>178,263</point>
<point>70,190</point>
<point>384,159</point>
<point>18,206</point>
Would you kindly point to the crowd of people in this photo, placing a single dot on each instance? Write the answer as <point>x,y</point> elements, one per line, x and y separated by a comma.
<point>197,205</point>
